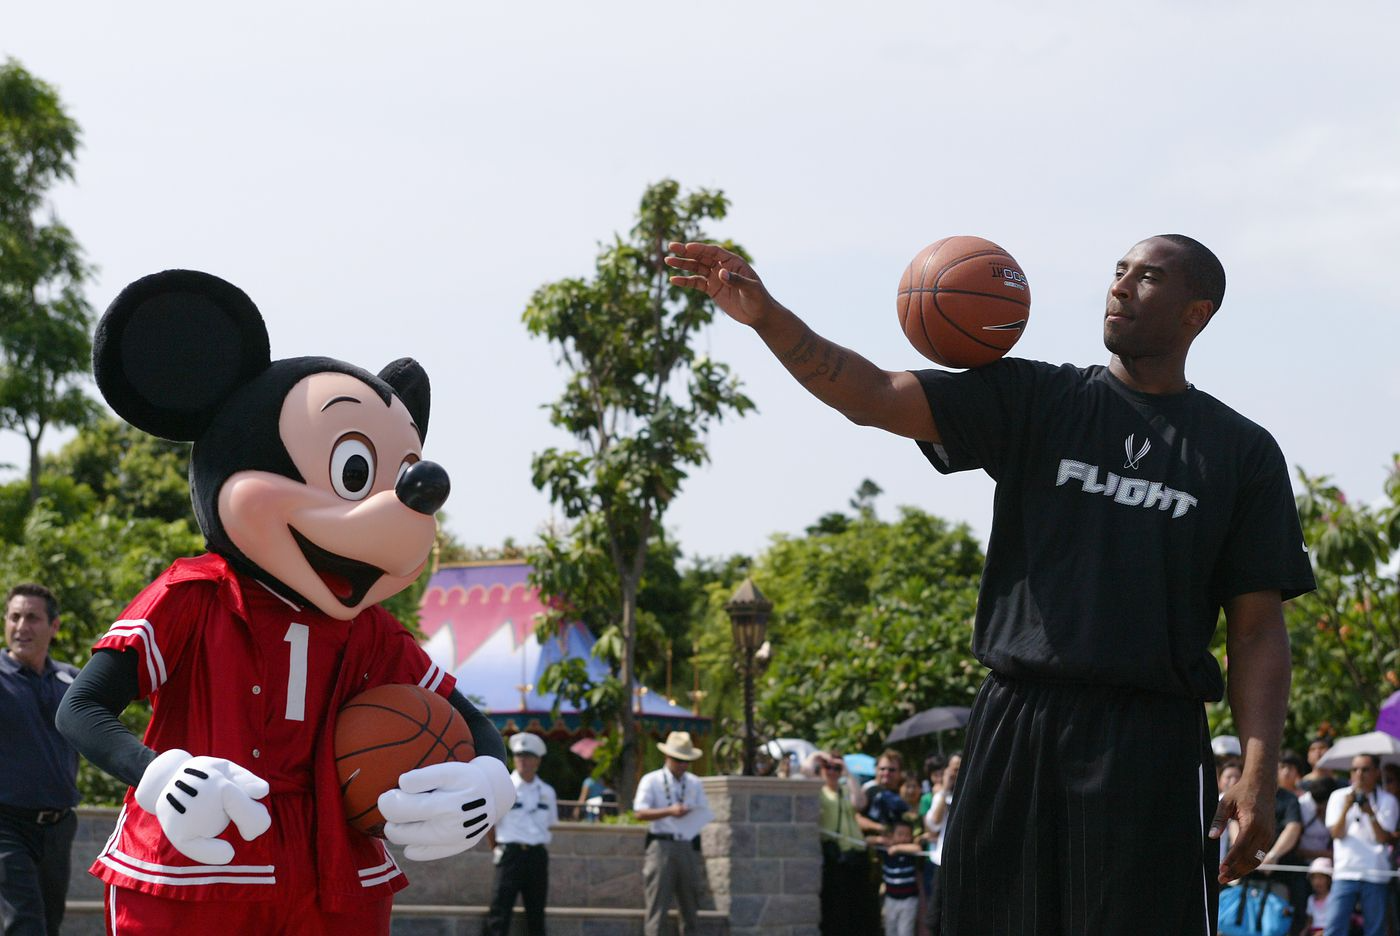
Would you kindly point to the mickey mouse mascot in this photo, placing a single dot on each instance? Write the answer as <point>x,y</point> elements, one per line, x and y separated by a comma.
<point>309,484</point>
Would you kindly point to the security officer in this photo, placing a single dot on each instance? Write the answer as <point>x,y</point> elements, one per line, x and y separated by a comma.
<point>38,769</point>
<point>522,858</point>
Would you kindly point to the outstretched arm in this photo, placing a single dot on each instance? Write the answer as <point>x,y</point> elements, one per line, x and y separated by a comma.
<point>860,391</point>
<point>1256,643</point>
<point>88,716</point>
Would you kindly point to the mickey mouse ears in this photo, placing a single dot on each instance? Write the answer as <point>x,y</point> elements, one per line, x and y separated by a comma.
<point>173,346</point>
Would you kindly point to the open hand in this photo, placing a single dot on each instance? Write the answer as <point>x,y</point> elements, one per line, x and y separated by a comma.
<point>724,277</point>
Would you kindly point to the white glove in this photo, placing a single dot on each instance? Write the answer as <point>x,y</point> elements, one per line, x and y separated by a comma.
<point>446,808</point>
<point>194,798</point>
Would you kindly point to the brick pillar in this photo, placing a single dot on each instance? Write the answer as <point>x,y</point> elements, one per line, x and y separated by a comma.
<point>763,854</point>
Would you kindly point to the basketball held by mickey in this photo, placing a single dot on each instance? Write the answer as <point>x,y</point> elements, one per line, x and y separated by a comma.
<point>387,731</point>
<point>963,302</point>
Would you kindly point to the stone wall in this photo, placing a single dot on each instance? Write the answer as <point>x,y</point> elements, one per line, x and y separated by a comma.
<point>763,855</point>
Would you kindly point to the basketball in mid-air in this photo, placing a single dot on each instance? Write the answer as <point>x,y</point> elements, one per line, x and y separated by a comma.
<point>387,731</point>
<point>963,301</point>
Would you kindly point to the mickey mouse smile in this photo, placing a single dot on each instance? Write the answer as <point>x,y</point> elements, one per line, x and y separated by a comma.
<point>347,579</point>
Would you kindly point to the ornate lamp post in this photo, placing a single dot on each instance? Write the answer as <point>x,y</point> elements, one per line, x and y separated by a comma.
<point>748,614</point>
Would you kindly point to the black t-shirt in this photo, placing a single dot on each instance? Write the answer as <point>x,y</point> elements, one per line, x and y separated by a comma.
<point>1123,521</point>
<point>1286,809</point>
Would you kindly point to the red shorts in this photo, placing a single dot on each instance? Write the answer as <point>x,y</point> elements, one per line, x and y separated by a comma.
<point>132,913</point>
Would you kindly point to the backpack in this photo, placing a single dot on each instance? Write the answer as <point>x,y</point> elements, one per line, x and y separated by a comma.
<point>1250,908</point>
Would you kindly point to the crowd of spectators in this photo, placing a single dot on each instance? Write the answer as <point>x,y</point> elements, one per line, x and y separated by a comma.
<point>1336,847</point>
<point>882,843</point>
<point>1333,860</point>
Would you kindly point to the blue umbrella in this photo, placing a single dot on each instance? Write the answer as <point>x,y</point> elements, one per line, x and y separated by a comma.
<point>862,765</point>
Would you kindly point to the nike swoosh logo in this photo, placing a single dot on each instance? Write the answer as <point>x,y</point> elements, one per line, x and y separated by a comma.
<point>1009,326</point>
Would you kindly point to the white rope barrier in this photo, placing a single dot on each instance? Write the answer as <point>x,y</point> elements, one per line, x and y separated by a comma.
<point>1304,869</point>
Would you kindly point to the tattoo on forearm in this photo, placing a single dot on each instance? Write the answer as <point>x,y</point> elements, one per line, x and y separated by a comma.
<point>839,364</point>
<point>803,361</point>
<point>802,352</point>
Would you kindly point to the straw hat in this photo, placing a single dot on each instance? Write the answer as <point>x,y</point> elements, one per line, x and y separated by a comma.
<point>679,746</point>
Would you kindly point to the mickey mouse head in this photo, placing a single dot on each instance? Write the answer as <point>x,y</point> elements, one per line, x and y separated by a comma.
<point>306,473</point>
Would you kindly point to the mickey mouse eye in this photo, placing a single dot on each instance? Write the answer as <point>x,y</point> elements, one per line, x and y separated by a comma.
<point>408,463</point>
<point>352,466</point>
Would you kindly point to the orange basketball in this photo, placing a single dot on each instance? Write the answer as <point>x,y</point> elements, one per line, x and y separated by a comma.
<point>963,302</point>
<point>387,731</point>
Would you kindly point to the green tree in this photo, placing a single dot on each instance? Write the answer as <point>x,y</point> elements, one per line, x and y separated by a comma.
<point>44,318</point>
<point>639,399</point>
<point>129,471</point>
<point>872,622</point>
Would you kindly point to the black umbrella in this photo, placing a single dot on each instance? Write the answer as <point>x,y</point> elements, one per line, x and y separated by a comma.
<point>930,721</point>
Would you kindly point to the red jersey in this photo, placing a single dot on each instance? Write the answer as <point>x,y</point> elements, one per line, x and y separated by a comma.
<point>235,671</point>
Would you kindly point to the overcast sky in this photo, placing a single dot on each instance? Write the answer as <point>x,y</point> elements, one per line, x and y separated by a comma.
<point>391,179</point>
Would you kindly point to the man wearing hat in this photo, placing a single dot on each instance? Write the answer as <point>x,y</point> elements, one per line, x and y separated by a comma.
<point>672,801</point>
<point>522,859</point>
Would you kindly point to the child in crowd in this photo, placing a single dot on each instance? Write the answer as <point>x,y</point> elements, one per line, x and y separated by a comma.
<point>901,876</point>
<point>911,791</point>
<point>1320,877</point>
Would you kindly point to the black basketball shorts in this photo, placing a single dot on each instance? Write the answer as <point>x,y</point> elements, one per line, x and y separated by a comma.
<point>1082,810</point>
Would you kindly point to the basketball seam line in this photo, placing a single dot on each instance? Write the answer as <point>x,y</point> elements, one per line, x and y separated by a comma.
<point>973,256</point>
<point>923,322</point>
<point>969,292</point>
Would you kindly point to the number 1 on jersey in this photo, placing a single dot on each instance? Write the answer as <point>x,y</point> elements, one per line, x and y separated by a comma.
<point>299,636</point>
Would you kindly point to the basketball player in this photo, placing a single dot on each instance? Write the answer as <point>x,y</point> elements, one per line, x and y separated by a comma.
<point>1130,508</point>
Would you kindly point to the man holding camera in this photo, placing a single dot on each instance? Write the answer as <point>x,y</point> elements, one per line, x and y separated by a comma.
<point>1362,821</point>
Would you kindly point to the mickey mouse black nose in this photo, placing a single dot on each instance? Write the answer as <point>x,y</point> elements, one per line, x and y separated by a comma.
<point>424,487</point>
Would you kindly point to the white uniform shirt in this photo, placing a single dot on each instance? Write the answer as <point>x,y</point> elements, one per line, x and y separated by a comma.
<point>536,809</point>
<point>1357,856</point>
<point>937,830</point>
<point>660,789</point>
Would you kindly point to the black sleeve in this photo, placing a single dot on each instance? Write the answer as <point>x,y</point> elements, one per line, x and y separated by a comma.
<point>88,716</point>
<point>1292,812</point>
<point>980,414</point>
<point>1264,549</point>
<point>484,734</point>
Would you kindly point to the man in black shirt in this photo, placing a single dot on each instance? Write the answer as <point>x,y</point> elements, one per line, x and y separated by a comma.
<point>1130,509</point>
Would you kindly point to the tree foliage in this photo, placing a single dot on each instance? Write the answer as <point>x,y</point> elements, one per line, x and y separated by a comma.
<point>872,622</point>
<point>44,317</point>
<point>128,471</point>
<point>1345,637</point>
<point>638,400</point>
